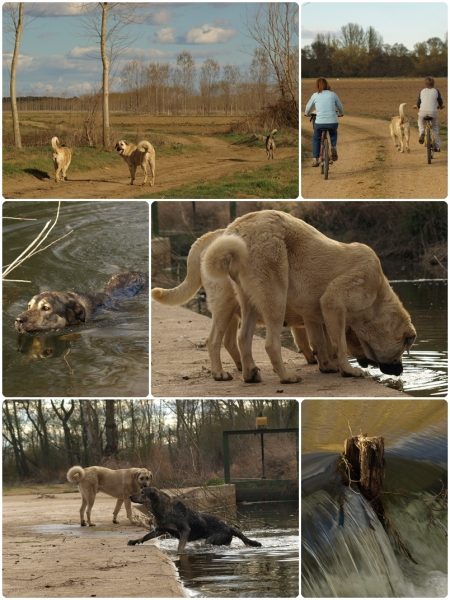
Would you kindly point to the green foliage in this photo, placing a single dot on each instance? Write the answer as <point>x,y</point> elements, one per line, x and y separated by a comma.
<point>216,481</point>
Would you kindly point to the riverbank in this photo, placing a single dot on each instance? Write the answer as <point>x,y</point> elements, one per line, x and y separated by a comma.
<point>181,367</point>
<point>47,554</point>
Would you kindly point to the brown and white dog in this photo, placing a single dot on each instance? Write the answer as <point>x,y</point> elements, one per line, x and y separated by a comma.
<point>142,155</point>
<point>61,159</point>
<point>399,127</point>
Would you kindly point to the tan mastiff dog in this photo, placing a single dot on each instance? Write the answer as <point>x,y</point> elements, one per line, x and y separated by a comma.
<point>279,263</point>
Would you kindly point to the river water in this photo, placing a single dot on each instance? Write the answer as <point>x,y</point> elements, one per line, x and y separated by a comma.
<point>107,357</point>
<point>346,552</point>
<point>237,571</point>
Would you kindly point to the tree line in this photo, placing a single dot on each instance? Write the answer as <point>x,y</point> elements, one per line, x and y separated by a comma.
<point>162,87</point>
<point>362,53</point>
<point>179,440</point>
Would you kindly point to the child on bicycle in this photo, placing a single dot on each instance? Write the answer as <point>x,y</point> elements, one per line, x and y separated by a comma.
<point>325,102</point>
<point>428,103</point>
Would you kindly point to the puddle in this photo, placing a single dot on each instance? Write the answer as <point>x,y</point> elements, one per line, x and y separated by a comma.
<point>77,530</point>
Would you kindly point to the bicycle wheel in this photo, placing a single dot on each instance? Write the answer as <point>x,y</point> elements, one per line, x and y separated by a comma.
<point>326,158</point>
<point>429,150</point>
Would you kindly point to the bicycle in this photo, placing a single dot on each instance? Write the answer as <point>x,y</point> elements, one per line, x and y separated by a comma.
<point>325,159</point>
<point>429,138</point>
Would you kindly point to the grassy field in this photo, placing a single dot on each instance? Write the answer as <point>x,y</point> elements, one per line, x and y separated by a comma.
<point>380,98</point>
<point>171,136</point>
<point>278,180</point>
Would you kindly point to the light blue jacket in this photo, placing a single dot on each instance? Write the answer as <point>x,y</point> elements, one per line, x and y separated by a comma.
<point>325,103</point>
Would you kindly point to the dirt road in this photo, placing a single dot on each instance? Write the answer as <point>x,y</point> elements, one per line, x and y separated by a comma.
<point>369,166</point>
<point>181,368</point>
<point>47,554</point>
<point>221,159</point>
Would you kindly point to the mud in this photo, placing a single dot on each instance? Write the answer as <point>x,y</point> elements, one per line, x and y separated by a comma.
<point>181,368</point>
<point>47,554</point>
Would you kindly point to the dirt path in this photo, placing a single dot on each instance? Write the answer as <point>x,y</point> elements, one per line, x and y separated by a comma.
<point>370,166</point>
<point>46,554</point>
<point>220,159</point>
<point>181,368</point>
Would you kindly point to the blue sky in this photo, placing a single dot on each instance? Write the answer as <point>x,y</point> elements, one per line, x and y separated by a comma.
<point>404,23</point>
<point>53,59</point>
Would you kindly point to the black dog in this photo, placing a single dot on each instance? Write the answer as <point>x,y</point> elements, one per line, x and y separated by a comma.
<point>175,518</point>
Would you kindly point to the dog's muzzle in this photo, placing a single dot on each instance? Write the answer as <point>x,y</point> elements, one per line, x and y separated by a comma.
<point>391,369</point>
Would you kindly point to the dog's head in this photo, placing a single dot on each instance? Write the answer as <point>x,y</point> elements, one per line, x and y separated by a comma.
<point>385,332</point>
<point>147,495</point>
<point>121,146</point>
<point>143,478</point>
<point>50,310</point>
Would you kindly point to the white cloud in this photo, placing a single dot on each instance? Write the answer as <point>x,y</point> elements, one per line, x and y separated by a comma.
<point>208,34</point>
<point>165,36</point>
<point>159,17</point>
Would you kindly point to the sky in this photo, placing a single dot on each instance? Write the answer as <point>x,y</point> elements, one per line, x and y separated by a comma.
<point>404,23</point>
<point>53,57</point>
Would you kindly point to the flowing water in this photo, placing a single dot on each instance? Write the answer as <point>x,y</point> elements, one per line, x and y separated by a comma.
<point>107,357</point>
<point>238,571</point>
<point>346,551</point>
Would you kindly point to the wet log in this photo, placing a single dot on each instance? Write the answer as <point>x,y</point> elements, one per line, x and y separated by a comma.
<point>366,464</point>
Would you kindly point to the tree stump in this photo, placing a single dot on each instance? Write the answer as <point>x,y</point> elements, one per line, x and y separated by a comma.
<point>365,458</point>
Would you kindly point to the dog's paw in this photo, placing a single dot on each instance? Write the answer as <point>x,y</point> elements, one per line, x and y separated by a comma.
<point>132,542</point>
<point>253,376</point>
<point>291,378</point>
<point>353,372</point>
<point>223,376</point>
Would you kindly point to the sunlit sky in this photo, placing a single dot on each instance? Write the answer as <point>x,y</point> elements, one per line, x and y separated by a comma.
<point>404,23</point>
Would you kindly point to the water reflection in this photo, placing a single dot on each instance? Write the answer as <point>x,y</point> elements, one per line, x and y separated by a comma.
<point>109,355</point>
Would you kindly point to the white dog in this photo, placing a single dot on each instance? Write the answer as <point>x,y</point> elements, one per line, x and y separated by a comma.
<point>61,159</point>
<point>400,130</point>
<point>120,484</point>
<point>142,155</point>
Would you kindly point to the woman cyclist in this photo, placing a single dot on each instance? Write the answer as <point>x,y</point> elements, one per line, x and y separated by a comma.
<point>325,102</point>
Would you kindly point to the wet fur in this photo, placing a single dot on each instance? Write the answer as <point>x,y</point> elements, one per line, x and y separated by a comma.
<point>175,518</point>
<point>119,484</point>
<point>53,310</point>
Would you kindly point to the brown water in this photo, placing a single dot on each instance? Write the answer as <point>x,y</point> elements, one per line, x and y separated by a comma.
<point>109,356</point>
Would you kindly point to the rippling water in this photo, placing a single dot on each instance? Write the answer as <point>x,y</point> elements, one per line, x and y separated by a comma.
<point>109,356</point>
<point>240,572</point>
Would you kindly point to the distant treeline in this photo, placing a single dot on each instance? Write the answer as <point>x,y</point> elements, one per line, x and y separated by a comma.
<point>359,53</point>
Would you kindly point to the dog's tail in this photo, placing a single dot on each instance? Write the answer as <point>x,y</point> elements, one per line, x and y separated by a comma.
<point>226,256</point>
<point>402,114</point>
<point>144,146</point>
<point>76,474</point>
<point>273,132</point>
<point>245,539</point>
<point>55,143</point>
<point>193,282</point>
<point>126,284</point>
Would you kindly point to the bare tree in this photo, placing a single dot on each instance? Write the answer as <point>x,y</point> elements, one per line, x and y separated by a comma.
<point>111,448</point>
<point>15,19</point>
<point>187,66</point>
<point>274,26</point>
<point>208,82</point>
<point>108,25</point>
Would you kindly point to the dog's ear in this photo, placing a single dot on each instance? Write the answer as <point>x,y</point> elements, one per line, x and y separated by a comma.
<point>75,313</point>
